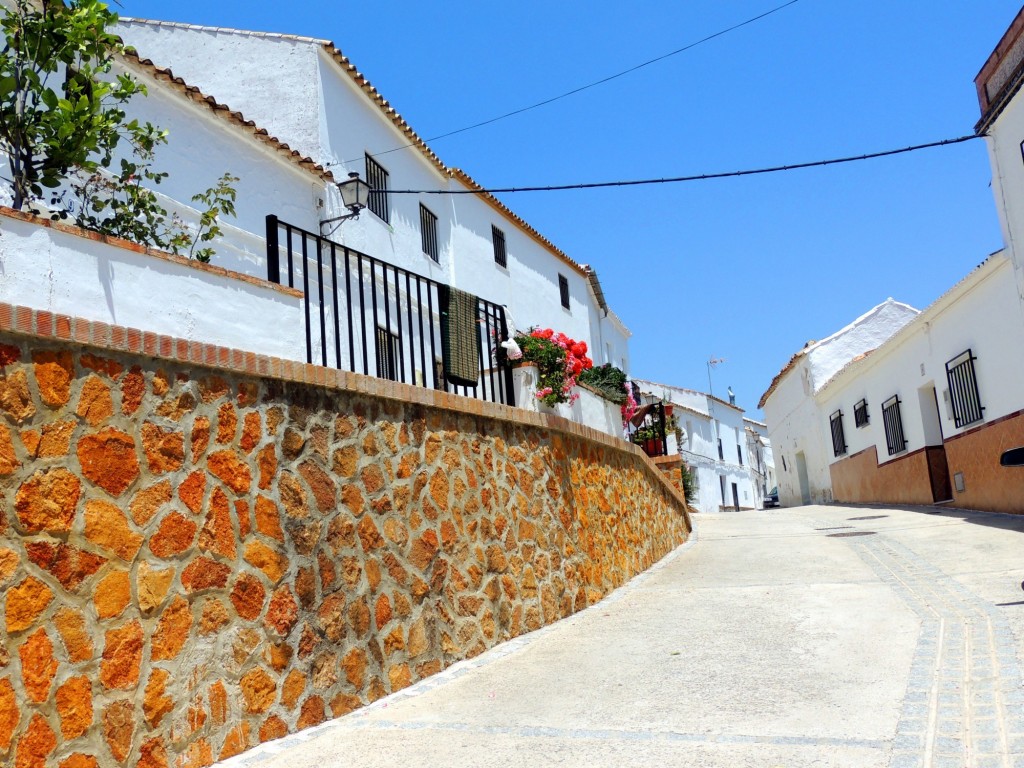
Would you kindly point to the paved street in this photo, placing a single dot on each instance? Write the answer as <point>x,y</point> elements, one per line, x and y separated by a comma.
<point>781,638</point>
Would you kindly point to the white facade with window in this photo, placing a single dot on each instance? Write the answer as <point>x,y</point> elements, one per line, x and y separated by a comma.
<point>713,440</point>
<point>305,92</point>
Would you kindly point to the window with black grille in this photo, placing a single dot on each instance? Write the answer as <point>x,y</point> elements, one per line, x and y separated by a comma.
<point>739,453</point>
<point>500,255</point>
<point>377,178</point>
<point>963,389</point>
<point>563,289</point>
<point>893,420</point>
<point>860,414</point>
<point>838,436</point>
<point>428,232</point>
<point>721,452</point>
<point>387,354</point>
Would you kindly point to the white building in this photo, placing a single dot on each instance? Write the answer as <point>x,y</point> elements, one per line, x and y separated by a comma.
<point>305,91</point>
<point>712,440</point>
<point>791,413</point>
<point>762,460</point>
<point>925,416</point>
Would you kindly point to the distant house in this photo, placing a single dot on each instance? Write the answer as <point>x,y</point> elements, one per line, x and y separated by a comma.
<point>711,437</point>
<point>921,412</point>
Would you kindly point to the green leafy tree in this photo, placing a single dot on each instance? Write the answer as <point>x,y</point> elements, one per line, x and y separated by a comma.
<point>58,109</point>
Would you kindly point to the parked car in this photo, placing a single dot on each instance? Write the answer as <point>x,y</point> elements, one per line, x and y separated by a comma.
<point>772,499</point>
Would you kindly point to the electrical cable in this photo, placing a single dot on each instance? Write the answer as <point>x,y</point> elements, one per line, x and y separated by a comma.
<point>581,88</point>
<point>695,177</point>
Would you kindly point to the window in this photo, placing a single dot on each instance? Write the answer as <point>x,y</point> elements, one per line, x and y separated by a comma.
<point>428,232</point>
<point>963,389</point>
<point>860,414</point>
<point>721,481</point>
<point>377,178</point>
<point>739,452</point>
<point>893,425</point>
<point>721,453</point>
<point>563,289</point>
<point>387,355</point>
<point>838,437</point>
<point>500,255</point>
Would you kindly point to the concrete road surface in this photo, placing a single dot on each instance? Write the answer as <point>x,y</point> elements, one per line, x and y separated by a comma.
<point>816,636</point>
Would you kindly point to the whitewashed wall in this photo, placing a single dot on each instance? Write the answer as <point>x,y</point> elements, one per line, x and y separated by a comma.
<point>43,268</point>
<point>982,314</point>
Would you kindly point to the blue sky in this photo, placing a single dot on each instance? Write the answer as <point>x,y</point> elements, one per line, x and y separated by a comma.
<point>742,269</point>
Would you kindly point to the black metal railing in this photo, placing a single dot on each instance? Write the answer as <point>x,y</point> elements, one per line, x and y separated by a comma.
<point>963,389</point>
<point>893,420</point>
<point>367,316</point>
<point>651,434</point>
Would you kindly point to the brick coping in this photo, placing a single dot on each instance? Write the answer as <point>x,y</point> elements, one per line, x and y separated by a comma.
<point>156,253</point>
<point>50,326</point>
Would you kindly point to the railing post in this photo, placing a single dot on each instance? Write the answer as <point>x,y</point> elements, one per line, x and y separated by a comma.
<point>273,251</point>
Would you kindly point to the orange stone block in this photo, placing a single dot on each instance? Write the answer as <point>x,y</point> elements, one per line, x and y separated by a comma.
<point>400,677</point>
<point>78,760</point>
<point>236,742</point>
<point>283,612</point>
<point>369,535</point>
<point>165,448</point>
<point>292,688</point>
<point>268,518</point>
<point>258,690</point>
<point>227,423</point>
<point>103,365</point>
<point>248,597</point>
<point>313,713</point>
<point>218,703</point>
<point>214,616</point>
<point>15,397</point>
<point>54,441</point>
<point>77,640</point>
<point>53,371</point>
<point>293,497</point>
<point>152,754</point>
<point>69,565</point>
<point>95,404</point>
<point>25,603</point>
<point>9,355</point>
<point>382,612</point>
<point>232,470</point>
<point>218,535</point>
<point>133,389</point>
<point>47,500</point>
<point>112,594</point>
<point>198,755</point>
<point>203,573</point>
<point>36,744</point>
<point>251,431</point>
<point>172,630</point>
<point>74,705</point>
<point>324,491</point>
<point>10,714</point>
<point>175,535</point>
<point>156,703</point>
<point>122,656</point>
<point>272,563</point>
<point>200,437</point>
<point>8,460</point>
<point>266,461</point>
<point>119,728</point>
<point>107,526</point>
<point>192,490</point>
<point>354,665</point>
<point>108,460</point>
<point>147,502</point>
<point>273,728</point>
<point>152,585</point>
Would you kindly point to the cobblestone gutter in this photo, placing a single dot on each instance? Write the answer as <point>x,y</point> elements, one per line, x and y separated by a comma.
<point>202,550</point>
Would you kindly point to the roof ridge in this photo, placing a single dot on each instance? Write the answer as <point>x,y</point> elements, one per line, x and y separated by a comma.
<point>225,30</point>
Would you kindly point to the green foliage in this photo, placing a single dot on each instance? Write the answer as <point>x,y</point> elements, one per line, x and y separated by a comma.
<point>219,199</point>
<point>550,359</point>
<point>56,111</point>
<point>608,380</point>
<point>689,484</point>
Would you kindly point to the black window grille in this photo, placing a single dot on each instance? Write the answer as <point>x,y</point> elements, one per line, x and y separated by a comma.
<point>500,254</point>
<point>838,436</point>
<point>860,414</point>
<point>428,232</point>
<point>739,453</point>
<point>377,178</point>
<point>721,453</point>
<point>893,425</point>
<point>563,289</point>
<point>387,354</point>
<point>963,389</point>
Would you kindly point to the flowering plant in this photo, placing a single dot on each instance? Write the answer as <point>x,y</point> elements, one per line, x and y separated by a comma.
<point>559,361</point>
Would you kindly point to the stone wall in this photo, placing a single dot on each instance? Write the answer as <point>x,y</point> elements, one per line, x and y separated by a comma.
<point>201,550</point>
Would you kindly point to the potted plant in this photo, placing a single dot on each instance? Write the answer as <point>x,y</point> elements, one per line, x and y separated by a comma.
<point>559,360</point>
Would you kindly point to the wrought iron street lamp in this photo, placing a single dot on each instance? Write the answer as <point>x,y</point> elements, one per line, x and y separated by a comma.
<point>354,195</point>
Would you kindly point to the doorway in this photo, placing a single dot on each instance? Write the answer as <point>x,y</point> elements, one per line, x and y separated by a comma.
<point>735,498</point>
<point>935,448</point>
<point>801,473</point>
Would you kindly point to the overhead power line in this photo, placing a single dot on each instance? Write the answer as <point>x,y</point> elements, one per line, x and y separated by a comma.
<point>582,88</point>
<point>695,177</point>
